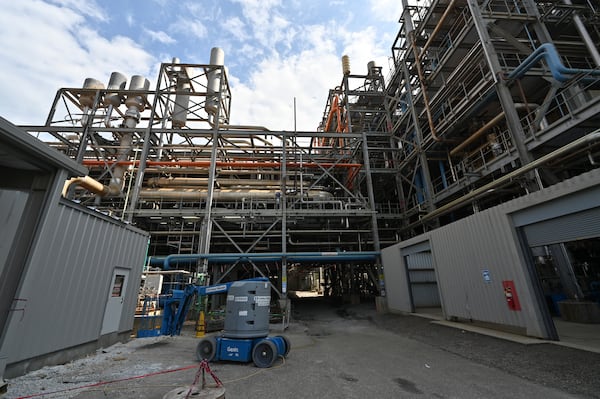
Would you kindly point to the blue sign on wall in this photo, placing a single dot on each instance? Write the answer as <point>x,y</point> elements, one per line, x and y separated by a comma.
<point>487,278</point>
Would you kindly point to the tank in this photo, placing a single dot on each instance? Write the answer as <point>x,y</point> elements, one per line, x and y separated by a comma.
<point>117,81</point>
<point>247,315</point>
<point>137,83</point>
<point>87,99</point>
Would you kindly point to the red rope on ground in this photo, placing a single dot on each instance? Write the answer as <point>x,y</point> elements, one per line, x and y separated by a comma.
<point>109,382</point>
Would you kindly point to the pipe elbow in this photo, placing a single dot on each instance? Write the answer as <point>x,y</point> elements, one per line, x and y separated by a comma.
<point>88,183</point>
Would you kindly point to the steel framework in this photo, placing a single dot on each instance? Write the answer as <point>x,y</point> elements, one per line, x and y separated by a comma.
<point>479,90</point>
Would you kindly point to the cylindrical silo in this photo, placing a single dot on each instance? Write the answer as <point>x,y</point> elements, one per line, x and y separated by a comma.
<point>247,314</point>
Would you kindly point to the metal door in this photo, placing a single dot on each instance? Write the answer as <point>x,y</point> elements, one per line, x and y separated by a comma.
<point>114,304</point>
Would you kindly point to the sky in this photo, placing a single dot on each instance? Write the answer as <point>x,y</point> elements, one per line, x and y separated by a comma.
<point>275,50</point>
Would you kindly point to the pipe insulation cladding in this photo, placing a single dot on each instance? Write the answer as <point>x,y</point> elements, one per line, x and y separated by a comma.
<point>346,64</point>
<point>213,87</point>
<point>117,81</point>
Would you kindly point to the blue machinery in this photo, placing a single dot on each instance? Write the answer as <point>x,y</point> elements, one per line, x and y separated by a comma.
<point>245,336</point>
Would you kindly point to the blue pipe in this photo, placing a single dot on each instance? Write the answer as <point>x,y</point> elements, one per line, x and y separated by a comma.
<point>548,52</point>
<point>268,257</point>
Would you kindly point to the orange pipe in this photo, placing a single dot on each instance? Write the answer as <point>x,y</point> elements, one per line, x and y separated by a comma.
<point>334,107</point>
<point>200,164</point>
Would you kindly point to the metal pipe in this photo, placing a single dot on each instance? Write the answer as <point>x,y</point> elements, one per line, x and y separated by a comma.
<point>493,122</point>
<point>226,164</point>
<point>587,139</point>
<point>201,181</point>
<point>559,71</point>
<point>439,26</point>
<point>587,39</point>
<point>274,256</point>
<point>223,194</point>
<point>87,183</point>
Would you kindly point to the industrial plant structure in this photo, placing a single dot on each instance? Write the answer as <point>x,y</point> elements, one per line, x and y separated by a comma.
<point>490,117</point>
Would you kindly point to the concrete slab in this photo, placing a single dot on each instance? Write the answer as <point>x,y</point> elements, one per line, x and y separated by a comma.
<point>337,352</point>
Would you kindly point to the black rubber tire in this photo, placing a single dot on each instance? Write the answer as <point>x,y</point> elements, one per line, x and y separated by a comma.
<point>206,349</point>
<point>264,354</point>
<point>288,345</point>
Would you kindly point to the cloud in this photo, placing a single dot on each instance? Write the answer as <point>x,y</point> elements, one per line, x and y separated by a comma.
<point>189,27</point>
<point>269,27</point>
<point>61,52</point>
<point>268,95</point>
<point>88,8</point>
<point>236,27</point>
<point>387,10</point>
<point>159,36</point>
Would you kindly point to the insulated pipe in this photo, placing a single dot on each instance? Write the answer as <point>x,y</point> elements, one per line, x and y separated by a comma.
<point>493,122</point>
<point>275,256</point>
<point>439,25</point>
<point>587,139</point>
<point>88,183</point>
<point>223,194</point>
<point>561,73</point>
<point>224,164</point>
<point>497,119</point>
<point>201,181</point>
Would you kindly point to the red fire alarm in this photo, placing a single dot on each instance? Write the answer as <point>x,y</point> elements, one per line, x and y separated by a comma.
<point>510,294</point>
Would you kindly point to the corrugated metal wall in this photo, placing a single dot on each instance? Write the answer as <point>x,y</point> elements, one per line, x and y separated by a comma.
<point>67,284</point>
<point>464,251</point>
<point>474,255</point>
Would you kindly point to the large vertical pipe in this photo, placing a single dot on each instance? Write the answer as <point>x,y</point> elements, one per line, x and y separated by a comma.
<point>587,39</point>
<point>214,76</point>
<point>135,103</point>
<point>139,179</point>
<point>213,106</point>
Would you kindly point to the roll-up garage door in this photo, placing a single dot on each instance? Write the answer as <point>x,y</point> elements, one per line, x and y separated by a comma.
<point>571,227</point>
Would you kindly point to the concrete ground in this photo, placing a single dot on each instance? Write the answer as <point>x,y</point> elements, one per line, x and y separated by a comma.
<point>337,352</point>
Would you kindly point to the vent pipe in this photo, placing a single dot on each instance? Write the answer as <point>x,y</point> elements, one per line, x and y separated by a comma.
<point>213,87</point>
<point>346,65</point>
